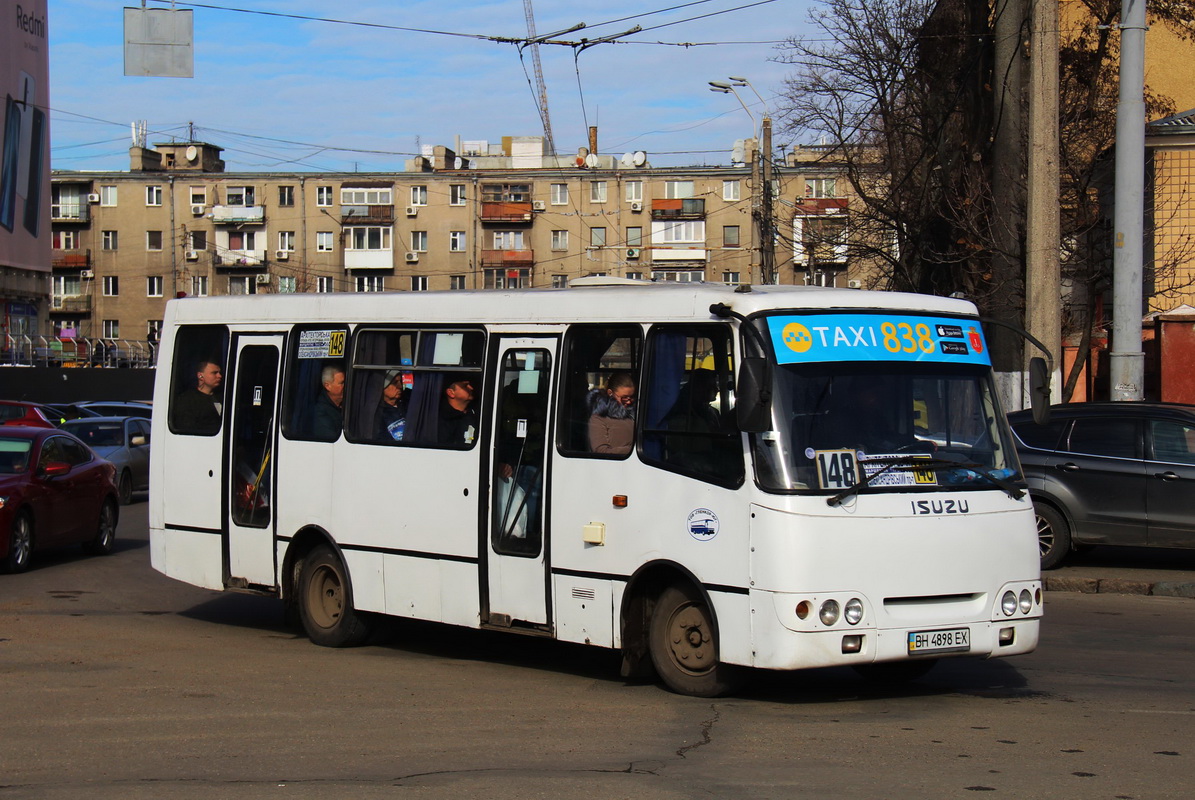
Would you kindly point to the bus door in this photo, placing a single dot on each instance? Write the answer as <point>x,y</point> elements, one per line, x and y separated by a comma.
<point>517,582</point>
<point>249,551</point>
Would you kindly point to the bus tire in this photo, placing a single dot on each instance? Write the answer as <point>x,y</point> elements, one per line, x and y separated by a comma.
<point>683,643</point>
<point>326,602</point>
<point>1053,535</point>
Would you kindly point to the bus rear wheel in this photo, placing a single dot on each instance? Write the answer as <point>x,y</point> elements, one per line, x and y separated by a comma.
<point>684,645</point>
<point>326,603</point>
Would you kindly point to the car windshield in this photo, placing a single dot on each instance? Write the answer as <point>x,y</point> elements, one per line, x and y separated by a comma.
<point>922,425</point>
<point>14,455</point>
<point>97,434</point>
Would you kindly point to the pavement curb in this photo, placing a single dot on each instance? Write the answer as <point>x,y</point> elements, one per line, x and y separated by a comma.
<point>1118,586</point>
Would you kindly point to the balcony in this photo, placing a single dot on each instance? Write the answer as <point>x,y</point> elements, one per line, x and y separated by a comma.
<point>240,260</point>
<point>372,215</point>
<point>675,254</point>
<point>70,212</point>
<point>514,259</point>
<point>506,211</point>
<point>70,304</point>
<point>369,259</point>
<point>71,259</point>
<point>688,208</point>
<point>239,215</point>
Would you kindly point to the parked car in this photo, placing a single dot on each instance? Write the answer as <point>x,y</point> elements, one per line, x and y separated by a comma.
<point>54,491</point>
<point>31,415</point>
<point>1110,474</point>
<point>122,440</point>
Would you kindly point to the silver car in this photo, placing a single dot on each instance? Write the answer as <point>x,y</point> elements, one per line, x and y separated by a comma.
<point>122,440</point>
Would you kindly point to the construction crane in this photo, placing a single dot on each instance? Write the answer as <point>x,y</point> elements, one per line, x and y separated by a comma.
<point>541,87</point>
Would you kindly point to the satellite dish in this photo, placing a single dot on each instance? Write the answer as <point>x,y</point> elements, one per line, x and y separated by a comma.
<point>627,159</point>
<point>192,152</point>
<point>639,158</point>
<point>458,163</point>
<point>591,160</point>
<point>581,162</point>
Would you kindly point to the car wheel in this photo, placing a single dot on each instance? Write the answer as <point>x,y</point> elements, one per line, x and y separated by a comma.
<point>684,645</point>
<point>1053,535</point>
<point>125,489</point>
<point>105,533</point>
<point>896,671</point>
<point>20,543</point>
<point>326,603</point>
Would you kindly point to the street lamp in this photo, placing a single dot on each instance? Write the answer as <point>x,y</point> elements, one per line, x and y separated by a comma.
<point>726,88</point>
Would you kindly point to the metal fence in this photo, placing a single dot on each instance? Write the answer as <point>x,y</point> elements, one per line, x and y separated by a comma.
<point>53,351</point>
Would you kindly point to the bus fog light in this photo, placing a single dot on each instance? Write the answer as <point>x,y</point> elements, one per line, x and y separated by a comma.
<point>1007,636</point>
<point>1026,601</point>
<point>853,611</point>
<point>803,609</point>
<point>1008,604</point>
<point>852,643</point>
<point>829,612</point>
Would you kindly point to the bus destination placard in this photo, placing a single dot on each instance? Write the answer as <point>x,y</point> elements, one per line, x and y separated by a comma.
<point>816,338</point>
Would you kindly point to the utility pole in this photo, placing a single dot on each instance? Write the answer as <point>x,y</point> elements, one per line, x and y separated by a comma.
<point>767,232</point>
<point>1127,364</point>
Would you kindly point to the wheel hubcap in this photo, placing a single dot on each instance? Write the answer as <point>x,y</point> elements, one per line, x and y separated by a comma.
<point>690,641</point>
<point>1045,536</point>
<point>20,543</point>
<point>327,596</point>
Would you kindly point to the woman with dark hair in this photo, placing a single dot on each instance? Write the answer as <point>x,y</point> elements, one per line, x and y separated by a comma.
<point>612,416</point>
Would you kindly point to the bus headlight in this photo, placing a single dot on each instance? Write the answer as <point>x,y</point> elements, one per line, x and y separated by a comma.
<point>1026,601</point>
<point>829,612</point>
<point>1008,604</point>
<point>853,611</point>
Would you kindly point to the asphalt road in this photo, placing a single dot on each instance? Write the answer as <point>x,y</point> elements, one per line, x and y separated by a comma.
<point>116,682</point>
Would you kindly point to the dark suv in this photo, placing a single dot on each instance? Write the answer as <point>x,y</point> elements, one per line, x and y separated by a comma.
<point>1110,473</point>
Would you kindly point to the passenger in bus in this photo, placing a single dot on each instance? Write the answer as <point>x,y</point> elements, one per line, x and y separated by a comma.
<point>612,416</point>
<point>391,416</point>
<point>694,423</point>
<point>198,410</point>
<point>458,418</point>
<point>329,406</point>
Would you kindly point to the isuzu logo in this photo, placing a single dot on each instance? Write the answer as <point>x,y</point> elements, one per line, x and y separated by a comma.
<point>939,506</point>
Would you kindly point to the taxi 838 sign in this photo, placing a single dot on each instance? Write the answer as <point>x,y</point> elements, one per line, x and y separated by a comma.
<point>877,337</point>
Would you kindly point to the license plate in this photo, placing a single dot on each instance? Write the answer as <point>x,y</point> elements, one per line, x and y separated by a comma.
<point>948,641</point>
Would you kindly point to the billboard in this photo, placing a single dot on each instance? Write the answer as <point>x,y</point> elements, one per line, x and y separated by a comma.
<point>25,135</point>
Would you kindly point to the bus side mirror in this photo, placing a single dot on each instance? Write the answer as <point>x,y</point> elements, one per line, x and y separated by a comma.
<point>1039,390</point>
<point>753,396</point>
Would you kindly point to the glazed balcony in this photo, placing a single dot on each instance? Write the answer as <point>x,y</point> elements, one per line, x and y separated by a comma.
<point>239,215</point>
<point>373,215</point>
<point>506,211</point>
<point>688,208</point>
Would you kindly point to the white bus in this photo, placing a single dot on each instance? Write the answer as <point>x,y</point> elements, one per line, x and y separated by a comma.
<point>806,477</point>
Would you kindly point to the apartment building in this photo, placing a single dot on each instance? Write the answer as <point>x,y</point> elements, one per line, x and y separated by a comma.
<point>495,217</point>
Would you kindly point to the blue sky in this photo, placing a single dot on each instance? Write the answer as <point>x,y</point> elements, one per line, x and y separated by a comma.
<point>327,85</point>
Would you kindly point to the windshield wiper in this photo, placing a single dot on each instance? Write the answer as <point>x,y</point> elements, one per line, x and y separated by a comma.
<point>1015,492</point>
<point>896,461</point>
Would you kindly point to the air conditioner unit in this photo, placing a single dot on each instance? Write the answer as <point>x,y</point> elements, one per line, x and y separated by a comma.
<point>282,255</point>
<point>192,255</point>
<point>87,273</point>
<point>263,279</point>
<point>636,206</point>
<point>538,205</point>
<point>854,284</point>
<point>632,252</point>
<point>412,211</point>
<point>93,198</point>
<point>198,210</point>
<point>412,258</point>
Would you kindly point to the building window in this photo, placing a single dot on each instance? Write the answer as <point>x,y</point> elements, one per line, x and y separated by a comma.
<point>286,241</point>
<point>559,240</point>
<point>731,190</point>
<point>242,241</point>
<point>731,278</point>
<point>680,231</point>
<point>153,330</point>
<point>559,281</point>
<point>325,284</point>
<point>678,275</point>
<point>153,195</point>
<point>418,283</point>
<point>456,194</point>
<point>65,240</point>
<point>456,241</point>
<point>286,195</point>
<point>730,235</point>
<point>242,284</point>
<point>506,192</point>
<point>507,278</point>
<point>108,196</point>
<point>456,283</point>
<point>419,241</point>
<point>678,190</point>
<point>199,195</point>
<point>597,237</point>
<point>199,285</point>
<point>111,329</point>
<point>597,191</point>
<point>821,187</point>
<point>111,286</point>
<point>324,243</point>
<point>109,239</point>
<point>323,195</point>
<point>634,191</point>
<point>560,194</point>
<point>378,196</point>
<point>287,284</point>
<point>370,283</point>
<point>508,240</point>
<point>153,240</point>
<point>418,195</point>
<point>635,275</point>
<point>197,240</point>
<point>153,286</point>
<point>242,196</point>
<point>634,237</point>
<point>367,238</point>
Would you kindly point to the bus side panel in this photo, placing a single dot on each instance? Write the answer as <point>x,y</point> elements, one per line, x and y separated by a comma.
<point>188,556</point>
<point>584,610</point>
<point>443,591</point>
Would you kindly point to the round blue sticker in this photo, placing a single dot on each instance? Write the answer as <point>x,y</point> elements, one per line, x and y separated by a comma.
<point>702,524</point>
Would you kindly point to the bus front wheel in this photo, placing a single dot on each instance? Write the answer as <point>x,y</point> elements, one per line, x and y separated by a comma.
<point>326,603</point>
<point>684,645</point>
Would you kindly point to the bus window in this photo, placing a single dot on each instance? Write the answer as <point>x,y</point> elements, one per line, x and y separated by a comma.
<point>594,354</point>
<point>197,380</point>
<point>400,381</point>
<point>687,412</point>
<point>311,411</point>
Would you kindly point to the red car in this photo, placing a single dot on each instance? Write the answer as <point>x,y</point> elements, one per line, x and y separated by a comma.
<point>54,491</point>
<point>31,415</point>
